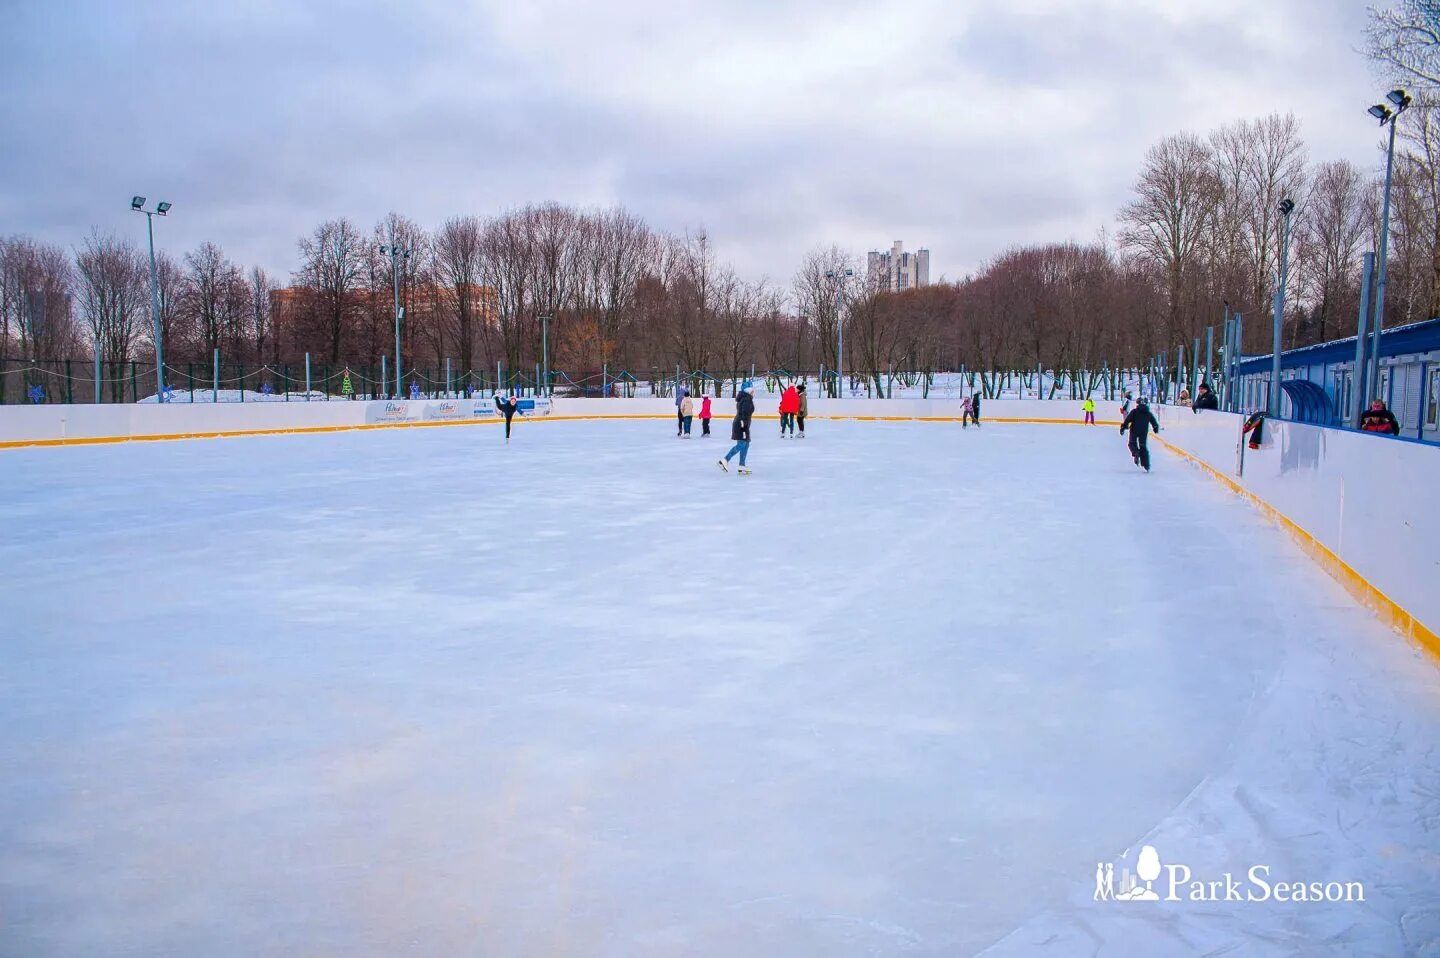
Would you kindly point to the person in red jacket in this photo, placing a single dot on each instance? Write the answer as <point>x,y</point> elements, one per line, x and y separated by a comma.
<point>1379,419</point>
<point>789,408</point>
<point>705,417</point>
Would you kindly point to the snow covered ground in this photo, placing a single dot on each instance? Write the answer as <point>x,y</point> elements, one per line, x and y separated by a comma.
<point>899,692</point>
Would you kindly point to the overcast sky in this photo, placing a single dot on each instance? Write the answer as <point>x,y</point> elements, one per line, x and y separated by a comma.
<point>962,126</point>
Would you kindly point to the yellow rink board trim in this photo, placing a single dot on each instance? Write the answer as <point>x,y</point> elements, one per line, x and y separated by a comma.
<point>302,430</point>
<point>1387,609</point>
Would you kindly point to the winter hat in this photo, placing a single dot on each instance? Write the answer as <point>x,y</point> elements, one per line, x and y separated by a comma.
<point>747,386</point>
<point>801,387</point>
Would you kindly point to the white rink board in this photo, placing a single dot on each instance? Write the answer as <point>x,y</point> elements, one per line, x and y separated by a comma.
<point>1368,499</point>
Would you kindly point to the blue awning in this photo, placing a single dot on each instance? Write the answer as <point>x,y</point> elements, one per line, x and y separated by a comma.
<point>1308,402</point>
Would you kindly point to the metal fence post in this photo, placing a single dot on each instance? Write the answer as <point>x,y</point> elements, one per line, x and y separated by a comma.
<point>307,377</point>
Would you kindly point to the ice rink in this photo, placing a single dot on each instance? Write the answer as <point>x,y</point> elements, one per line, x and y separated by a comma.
<point>413,691</point>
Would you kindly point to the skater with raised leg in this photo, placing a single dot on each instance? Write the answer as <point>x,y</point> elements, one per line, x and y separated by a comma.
<point>1139,422</point>
<point>508,408</point>
<point>740,429</point>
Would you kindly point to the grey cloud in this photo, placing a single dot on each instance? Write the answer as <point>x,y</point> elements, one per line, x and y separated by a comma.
<point>258,119</point>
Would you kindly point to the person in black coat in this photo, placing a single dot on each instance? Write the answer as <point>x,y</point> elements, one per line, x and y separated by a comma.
<point>1139,421</point>
<point>1206,399</point>
<point>507,409</point>
<point>740,429</point>
<point>975,409</point>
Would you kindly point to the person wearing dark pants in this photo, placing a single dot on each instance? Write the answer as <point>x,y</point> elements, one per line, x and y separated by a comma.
<point>508,408</point>
<point>680,395</point>
<point>1139,421</point>
<point>740,429</point>
<point>705,417</point>
<point>975,409</point>
<point>803,411</point>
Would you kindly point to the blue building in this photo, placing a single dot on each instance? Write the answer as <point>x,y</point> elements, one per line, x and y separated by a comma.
<point>1319,381</point>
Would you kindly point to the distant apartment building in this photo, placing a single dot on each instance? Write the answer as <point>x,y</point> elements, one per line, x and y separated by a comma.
<point>897,269</point>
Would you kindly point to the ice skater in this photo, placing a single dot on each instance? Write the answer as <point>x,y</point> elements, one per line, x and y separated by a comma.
<point>803,410</point>
<point>974,410</point>
<point>740,429</point>
<point>704,417</point>
<point>1139,422</point>
<point>680,395</point>
<point>687,413</point>
<point>1089,408</point>
<point>508,408</point>
<point>789,406</point>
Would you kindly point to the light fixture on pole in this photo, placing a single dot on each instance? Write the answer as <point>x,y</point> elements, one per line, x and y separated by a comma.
<point>1287,206</point>
<point>137,204</point>
<point>838,277</point>
<point>1398,100</point>
<point>396,254</point>
<point>545,348</point>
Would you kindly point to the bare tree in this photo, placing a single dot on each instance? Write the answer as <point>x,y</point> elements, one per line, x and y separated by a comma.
<point>1404,40</point>
<point>1328,242</point>
<point>112,287</point>
<point>333,256</point>
<point>1170,219</point>
<point>458,270</point>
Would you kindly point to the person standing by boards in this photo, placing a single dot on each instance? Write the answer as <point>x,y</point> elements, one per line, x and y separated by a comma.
<point>789,406</point>
<point>1139,421</point>
<point>1089,408</point>
<point>803,410</point>
<point>704,417</point>
<point>740,429</point>
<point>687,413</point>
<point>1206,399</point>
<point>975,409</point>
<point>508,406</point>
<point>681,394</point>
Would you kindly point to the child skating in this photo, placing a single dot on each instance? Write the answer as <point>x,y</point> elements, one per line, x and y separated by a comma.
<point>704,417</point>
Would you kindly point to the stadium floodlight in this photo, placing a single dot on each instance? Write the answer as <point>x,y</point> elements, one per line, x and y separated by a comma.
<point>1400,99</point>
<point>396,253</point>
<point>831,274</point>
<point>137,204</point>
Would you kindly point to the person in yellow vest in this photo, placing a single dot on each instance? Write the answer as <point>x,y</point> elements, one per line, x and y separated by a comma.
<point>1089,408</point>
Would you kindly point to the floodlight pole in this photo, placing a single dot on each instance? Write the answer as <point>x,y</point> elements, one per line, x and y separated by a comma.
<point>545,348</point>
<point>1357,376</point>
<point>1372,384</point>
<point>138,205</point>
<point>1278,320</point>
<point>396,254</point>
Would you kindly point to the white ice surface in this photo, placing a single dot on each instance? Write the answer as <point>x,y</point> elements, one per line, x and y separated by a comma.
<point>416,692</point>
